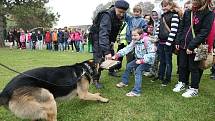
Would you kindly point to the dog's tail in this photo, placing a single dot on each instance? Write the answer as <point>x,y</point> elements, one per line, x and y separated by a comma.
<point>3,99</point>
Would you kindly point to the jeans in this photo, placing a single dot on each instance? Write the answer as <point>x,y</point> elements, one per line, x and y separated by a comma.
<point>139,68</point>
<point>66,45</point>
<point>61,46</point>
<point>40,44</point>
<point>31,45</point>
<point>81,47</point>
<point>77,46</point>
<point>165,68</point>
<point>49,46</point>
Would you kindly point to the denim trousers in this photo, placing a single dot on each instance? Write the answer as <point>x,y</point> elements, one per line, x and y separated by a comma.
<point>165,68</point>
<point>139,68</point>
<point>61,46</point>
<point>77,46</point>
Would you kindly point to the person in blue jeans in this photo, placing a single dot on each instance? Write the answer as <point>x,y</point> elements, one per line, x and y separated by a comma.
<point>144,54</point>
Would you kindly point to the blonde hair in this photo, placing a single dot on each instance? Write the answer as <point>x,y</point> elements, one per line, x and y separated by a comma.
<point>206,4</point>
<point>138,8</point>
<point>174,7</point>
<point>138,30</point>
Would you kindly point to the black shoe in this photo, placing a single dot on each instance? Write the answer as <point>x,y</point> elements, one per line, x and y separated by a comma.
<point>114,74</point>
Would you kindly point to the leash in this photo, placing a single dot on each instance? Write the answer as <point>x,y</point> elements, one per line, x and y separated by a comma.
<point>83,73</point>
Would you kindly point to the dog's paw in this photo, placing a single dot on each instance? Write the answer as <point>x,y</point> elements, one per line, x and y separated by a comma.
<point>98,94</point>
<point>104,100</point>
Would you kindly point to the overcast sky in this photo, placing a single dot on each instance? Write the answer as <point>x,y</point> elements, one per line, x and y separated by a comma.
<point>78,12</point>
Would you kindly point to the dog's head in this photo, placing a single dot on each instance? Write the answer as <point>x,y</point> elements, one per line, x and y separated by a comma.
<point>91,68</point>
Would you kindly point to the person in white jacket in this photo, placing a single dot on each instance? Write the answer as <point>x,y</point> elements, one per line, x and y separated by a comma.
<point>144,54</point>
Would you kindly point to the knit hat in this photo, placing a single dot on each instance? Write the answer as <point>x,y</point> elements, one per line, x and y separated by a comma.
<point>122,4</point>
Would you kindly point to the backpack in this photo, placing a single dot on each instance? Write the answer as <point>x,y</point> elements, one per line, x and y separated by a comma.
<point>211,36</point>
<point>94,28</point>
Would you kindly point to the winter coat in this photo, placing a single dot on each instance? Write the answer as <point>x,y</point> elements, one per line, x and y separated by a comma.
<point>133,22</point>
<point>47,37</point>
<point>144,49</point>
<point>202,24</point>
<point>172,20</point>
<point>109,28</point>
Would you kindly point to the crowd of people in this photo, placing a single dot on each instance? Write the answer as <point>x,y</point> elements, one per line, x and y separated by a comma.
<point>56,40</point>
<point>149,42</point>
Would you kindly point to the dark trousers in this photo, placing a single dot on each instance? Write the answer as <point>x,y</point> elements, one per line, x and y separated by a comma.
<point>213,70</point>
<point>165,68</point>
<point>188,65</point>
<point>72,45</point>
<point>55,43</point>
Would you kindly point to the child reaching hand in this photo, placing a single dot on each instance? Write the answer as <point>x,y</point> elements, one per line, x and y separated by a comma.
<point>144,54</point>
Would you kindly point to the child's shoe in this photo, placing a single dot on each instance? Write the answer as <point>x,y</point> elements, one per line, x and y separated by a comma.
<point>191,92</point>
<point>179,87</point>
<point>132,94</point>
<point>121,84</point>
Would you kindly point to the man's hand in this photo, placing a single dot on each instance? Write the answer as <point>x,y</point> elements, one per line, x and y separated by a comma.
<point>108,57</point>
<point>189,52</point>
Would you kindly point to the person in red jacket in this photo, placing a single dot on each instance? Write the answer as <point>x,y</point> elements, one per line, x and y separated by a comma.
<point>48,41</point>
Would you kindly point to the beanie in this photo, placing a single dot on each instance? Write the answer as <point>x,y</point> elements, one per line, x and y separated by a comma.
<point>122,4</point>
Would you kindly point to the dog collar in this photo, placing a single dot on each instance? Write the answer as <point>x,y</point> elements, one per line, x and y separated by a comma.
<point>89,68</point>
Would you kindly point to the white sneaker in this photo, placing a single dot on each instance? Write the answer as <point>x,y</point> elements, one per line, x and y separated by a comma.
<point>147,74</point>
<point>191,92</point>
<point>179,87</point>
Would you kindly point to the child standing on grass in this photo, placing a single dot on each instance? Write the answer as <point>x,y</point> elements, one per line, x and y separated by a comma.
<point>135,21</point>
<point>22,40</point>
<point>166,34</point>
<point>144,53</point>
<point>10,38</point>
<point>40,40</point>
<point>194,29</point>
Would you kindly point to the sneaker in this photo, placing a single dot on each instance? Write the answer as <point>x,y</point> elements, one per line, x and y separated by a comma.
<point>163,84</point>
<point>179,87</point>
<point>191,92</point>
<point>147,74</point>
<point>212,76</point>
<point>132,94</point>
<point>121,84</point>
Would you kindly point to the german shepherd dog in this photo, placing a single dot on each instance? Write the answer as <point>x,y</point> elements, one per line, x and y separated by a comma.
<point>32,94</point>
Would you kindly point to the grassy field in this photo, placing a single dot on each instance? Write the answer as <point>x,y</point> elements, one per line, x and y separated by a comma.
<point>155,104</point>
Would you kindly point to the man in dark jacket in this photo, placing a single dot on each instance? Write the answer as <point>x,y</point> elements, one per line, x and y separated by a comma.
<point>105,37</point>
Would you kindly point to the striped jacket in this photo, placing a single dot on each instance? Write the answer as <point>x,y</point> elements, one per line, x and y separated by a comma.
<point>172,21</point>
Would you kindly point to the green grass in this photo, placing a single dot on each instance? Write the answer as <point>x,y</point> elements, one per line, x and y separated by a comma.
<point>155,104</point>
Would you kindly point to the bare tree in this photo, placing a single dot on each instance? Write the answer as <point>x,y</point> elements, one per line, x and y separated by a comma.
<point>147,7</point>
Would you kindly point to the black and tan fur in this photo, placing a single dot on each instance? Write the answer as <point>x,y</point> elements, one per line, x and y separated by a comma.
<point>32,94</point>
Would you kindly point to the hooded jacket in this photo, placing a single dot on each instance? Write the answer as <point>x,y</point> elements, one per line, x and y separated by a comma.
<point>109,28</point>
<point>202,21</point>
<point>144,50</point>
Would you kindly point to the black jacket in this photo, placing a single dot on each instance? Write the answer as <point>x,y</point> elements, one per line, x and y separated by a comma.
<point>109,28</point>
<point>172,21</point>
<point>202,25</point>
